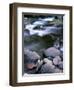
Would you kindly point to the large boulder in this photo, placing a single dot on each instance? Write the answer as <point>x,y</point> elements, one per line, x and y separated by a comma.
<point>30,61</point>
<point>31,56</point>
<point>52,52</point>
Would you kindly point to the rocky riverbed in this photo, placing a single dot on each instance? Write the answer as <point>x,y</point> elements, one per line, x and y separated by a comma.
<point>52,61</point>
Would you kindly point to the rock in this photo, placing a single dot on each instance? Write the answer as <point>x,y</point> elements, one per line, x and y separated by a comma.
<point>39,64</point>
<point>60,65</point>
<point>57,70</point>
<point>46,60</point>
<point>46,68</point>
<point>31,57</point>
<point>56,60</point>
<point>52,52</point>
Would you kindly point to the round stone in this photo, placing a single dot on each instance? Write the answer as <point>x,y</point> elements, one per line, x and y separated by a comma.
<point>52,52</point>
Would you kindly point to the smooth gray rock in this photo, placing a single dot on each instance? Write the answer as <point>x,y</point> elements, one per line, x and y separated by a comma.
<point>56,60</point>
<point>31,55</point>
<point>52,52</point>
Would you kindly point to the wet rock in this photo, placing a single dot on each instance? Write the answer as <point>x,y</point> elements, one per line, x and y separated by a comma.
<point>52,52</point>
<point>56,60</point>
